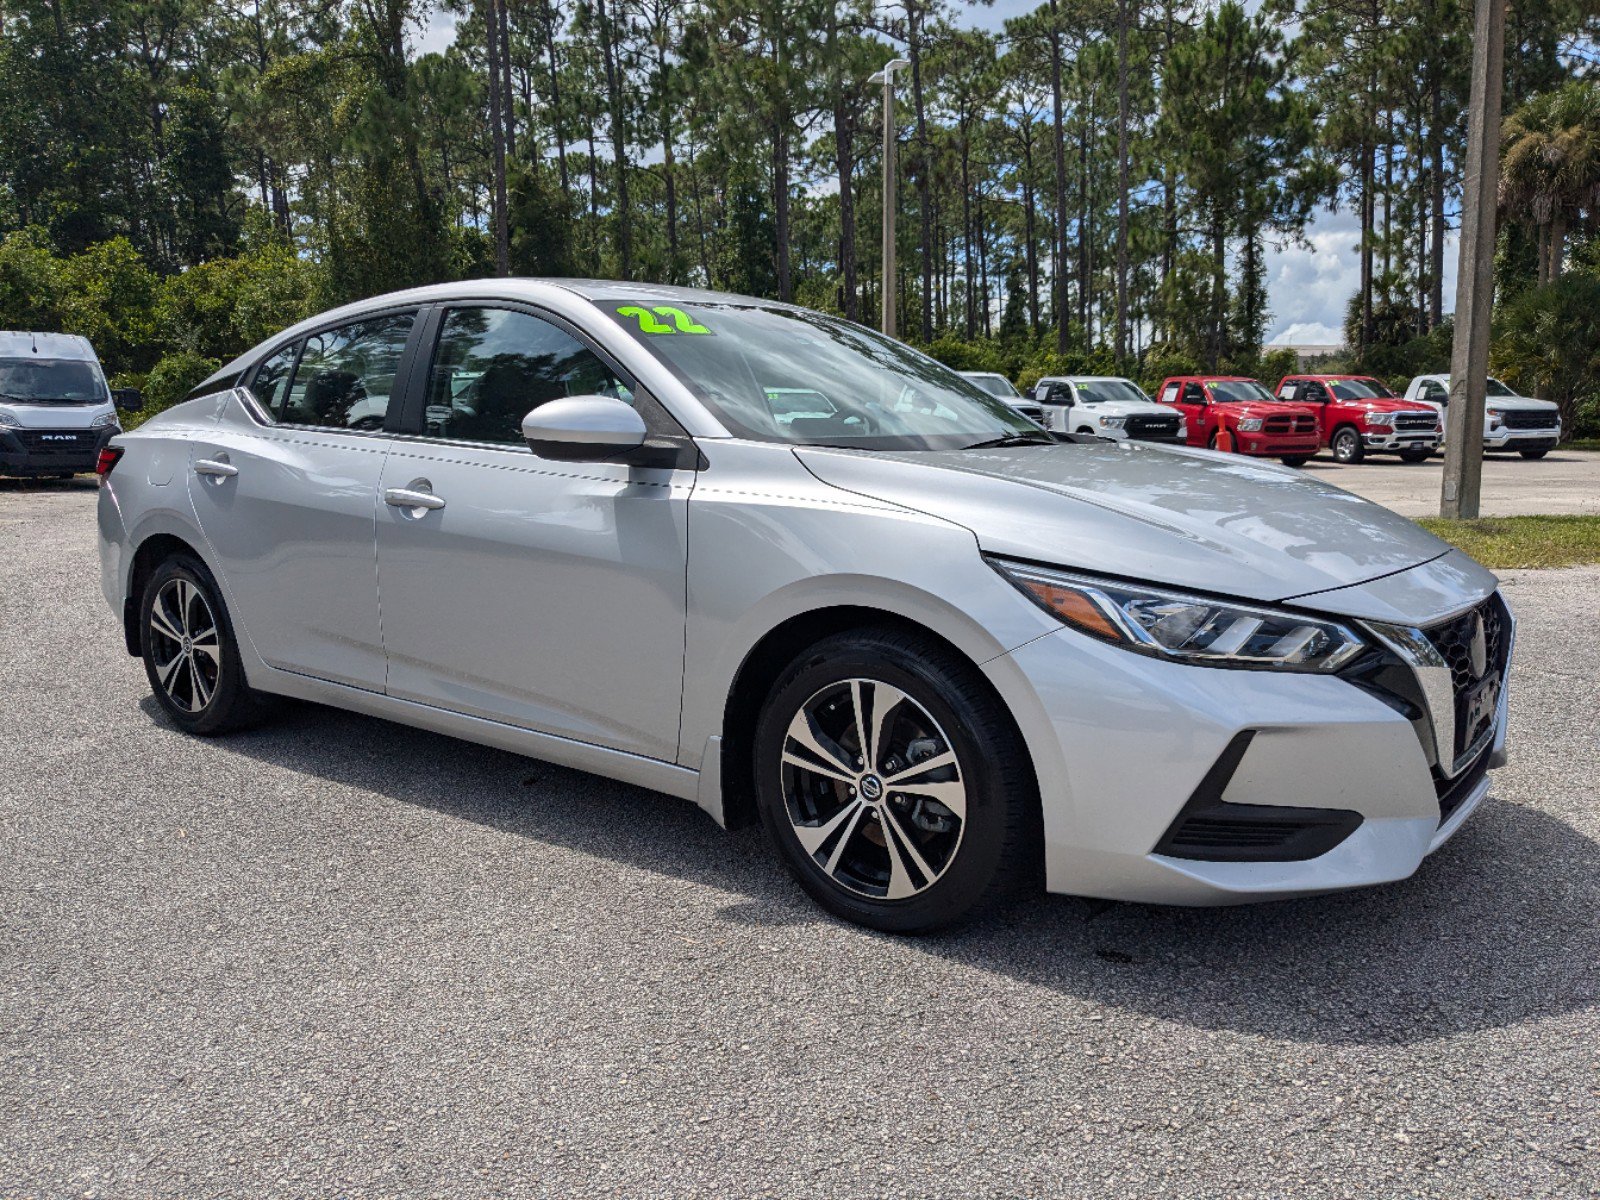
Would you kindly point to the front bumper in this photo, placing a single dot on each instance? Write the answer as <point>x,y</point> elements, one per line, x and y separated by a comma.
<point>1277,445</point>
<point>1521,439</point>
<point>25,452</point>
<point>1119,763</point>
<point>1397,440</point>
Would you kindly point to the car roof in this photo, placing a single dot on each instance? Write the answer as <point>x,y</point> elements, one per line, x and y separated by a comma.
<point>14,344</point>
<point>978,374</point>
<point>1086,379</point>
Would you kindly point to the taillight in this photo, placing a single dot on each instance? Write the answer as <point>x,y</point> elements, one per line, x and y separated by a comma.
<point>109,456</point>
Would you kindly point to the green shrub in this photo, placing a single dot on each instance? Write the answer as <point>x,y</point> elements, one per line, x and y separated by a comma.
<point>173,378</point>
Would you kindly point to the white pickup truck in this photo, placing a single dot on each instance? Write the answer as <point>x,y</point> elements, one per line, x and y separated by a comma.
<point>1510,422</point>
<point>1109,406</point>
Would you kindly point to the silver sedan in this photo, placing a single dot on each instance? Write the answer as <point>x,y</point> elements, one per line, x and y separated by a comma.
<point>783,567</point>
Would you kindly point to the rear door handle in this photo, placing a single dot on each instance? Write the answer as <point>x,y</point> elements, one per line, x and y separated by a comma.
<point>406,498</point>
<point>215,467</point>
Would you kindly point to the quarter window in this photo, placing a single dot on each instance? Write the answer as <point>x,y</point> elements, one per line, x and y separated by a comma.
<point>494,365</point>
<point>271,382</point>
<point>346,375</point>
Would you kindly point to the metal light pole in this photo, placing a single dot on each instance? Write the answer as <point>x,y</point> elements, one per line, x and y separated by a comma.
<point>886,77</point>
<point>1469,352</point>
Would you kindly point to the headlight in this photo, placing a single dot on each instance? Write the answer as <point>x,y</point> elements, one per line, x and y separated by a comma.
<point>1384,419</point>
<point>1113,422</point>
<point>1250,425</point>
<point>1183,628</point>
<point>103,420</point>
<point>1494,416</point>
<point>9,421</point>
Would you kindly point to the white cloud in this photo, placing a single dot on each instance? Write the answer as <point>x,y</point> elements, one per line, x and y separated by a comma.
<point>438,31</point>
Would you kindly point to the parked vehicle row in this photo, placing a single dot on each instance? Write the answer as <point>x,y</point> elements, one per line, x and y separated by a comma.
<point>784,567</point>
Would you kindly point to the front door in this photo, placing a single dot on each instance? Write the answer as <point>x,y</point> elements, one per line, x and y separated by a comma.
<point>549,595</point>
<point>1197,415</point>
<point>285,489</point>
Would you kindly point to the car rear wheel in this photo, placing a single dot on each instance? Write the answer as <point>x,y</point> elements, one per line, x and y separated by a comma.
<point>1415,456</point>
<point>1347,447</point>
<point>189,652</point>
<point>893,784</point>
<point>1533,453</point>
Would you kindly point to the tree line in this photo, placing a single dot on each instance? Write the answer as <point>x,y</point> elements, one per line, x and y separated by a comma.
<point>1095,182</point>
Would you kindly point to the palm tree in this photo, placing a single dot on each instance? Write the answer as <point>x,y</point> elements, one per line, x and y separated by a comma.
<point>1550,166</point>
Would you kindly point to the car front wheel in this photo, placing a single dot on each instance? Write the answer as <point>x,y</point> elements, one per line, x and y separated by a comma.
<point>1415,456</point>
<point>1347,447</point>
<point>1533,453</point>
<point>893,784</point>
<point>189,652</point>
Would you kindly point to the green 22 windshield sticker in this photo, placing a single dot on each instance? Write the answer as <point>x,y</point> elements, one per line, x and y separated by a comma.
<point>650,322</point>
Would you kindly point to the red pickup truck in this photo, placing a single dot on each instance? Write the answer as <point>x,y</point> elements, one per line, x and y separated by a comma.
<point>1244,411</point>
<point>1357,415</point>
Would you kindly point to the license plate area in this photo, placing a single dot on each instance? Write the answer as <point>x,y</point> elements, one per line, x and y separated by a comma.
<point>1479,705</point>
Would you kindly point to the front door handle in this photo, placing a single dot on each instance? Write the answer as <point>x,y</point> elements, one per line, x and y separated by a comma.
<point>406,498</point>
<point>217,468</point>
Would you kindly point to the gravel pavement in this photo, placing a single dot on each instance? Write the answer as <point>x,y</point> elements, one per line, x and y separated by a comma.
<point>336,957</point>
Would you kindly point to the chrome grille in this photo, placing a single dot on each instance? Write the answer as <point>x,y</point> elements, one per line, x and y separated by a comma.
<point>1415,421</point>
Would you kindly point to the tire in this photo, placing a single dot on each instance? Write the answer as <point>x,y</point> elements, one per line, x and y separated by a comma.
<point>208,669</point>
<point>1346,446</point>
<point>1415,456</point>
<point>1533,453</point>
<point>897,859</point>
<point>1086,432</point>
<point>1211,443</point>
<point>1295,460</point>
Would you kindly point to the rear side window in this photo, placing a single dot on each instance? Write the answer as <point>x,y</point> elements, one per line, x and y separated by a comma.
<point>346,375</point>
<point>494,365</point>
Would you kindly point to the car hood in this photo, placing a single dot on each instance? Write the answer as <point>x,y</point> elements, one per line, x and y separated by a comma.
<point>56,416</point>
<point>1190,518</point>
<point>1262,408</point>
<point>1521,404</point>
<point>1130,408</point>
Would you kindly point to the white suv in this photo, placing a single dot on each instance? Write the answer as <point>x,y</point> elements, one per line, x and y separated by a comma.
<point>999,386</point>
<point>1109,406</point>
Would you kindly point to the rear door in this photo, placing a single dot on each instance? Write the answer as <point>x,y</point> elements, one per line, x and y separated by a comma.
<point>545,594</point>
<point>285,488</point>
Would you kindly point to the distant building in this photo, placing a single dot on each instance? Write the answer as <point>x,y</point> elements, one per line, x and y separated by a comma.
<point>1311,351</point>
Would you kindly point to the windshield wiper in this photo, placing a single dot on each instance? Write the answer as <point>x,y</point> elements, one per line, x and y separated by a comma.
<point>1040,438</point>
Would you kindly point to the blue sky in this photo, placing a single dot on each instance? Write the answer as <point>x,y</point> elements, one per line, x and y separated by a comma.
<point>1308,285</point>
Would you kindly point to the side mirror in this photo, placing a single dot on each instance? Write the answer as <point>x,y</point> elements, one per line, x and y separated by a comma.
<point>128,399</point>
<point>584,429</point>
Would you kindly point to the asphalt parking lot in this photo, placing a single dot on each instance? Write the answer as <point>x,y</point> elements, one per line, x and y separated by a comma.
<point>1565,481</point>
<point>333,956</point>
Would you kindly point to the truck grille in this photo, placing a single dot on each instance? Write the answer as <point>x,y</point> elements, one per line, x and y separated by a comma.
<point>57,441</point>
<point>1529,420</point>
<point>1412,422</point>
<point>1290,423</point>
<point>1152,425</point>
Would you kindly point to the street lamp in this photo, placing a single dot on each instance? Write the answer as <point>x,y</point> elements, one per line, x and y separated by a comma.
<point>886,77</point>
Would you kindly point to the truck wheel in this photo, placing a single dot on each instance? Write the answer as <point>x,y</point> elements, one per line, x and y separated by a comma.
<point>1415,456</point>
<point>1347,447</point>
<point>1295,460</point>
<point>189,653</point>
<point>893,784</point>
<point>1533,453</point>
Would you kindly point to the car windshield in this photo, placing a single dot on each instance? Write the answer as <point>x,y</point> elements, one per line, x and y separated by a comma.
<point>995,385</point>
<point>1496,388</point>
<point>790,375</point>
<point>51,381</point>
<point>1095,391</point>
<point>1359,389</point>
<point>1227,391</point>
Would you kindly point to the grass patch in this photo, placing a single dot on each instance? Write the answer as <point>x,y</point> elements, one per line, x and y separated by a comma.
<point>1580,444</point>
<point>1507,542</point>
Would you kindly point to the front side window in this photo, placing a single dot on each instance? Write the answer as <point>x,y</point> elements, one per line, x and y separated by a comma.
<point>346,375</point>
<point>494,365</point>
<point>51,381</point>
<point>1193,393</point>
<point>745,362</point>
<point>1433,390</point>
<point>1496,388</point>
